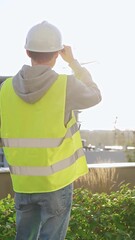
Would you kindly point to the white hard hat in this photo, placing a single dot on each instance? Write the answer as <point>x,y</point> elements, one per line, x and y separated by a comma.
<point>44,37</point>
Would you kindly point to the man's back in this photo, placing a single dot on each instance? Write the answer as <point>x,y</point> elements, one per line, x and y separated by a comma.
<point>40,137</point>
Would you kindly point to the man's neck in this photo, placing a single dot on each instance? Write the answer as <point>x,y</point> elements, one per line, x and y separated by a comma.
<point>49,63</point>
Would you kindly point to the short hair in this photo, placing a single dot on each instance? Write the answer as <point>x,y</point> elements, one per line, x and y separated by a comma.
<point>41,56</point>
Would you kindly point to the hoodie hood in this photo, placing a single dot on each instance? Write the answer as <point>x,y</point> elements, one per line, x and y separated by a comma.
<point>32,82</point>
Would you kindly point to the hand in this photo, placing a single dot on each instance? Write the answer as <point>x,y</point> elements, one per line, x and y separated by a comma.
<point>66,54</point>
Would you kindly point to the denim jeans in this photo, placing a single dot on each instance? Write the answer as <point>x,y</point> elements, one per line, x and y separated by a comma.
<point>43,216</point>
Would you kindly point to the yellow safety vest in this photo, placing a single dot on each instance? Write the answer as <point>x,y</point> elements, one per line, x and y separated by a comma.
<point>43,154</point>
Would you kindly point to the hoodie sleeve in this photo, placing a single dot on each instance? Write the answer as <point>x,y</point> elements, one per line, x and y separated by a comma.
<point>82,92</point>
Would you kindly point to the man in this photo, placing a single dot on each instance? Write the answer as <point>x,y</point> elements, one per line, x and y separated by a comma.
<point>40,137</point>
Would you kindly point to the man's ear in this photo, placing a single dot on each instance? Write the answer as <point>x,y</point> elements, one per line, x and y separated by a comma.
<point>56,54</point>
<point>27,52</point>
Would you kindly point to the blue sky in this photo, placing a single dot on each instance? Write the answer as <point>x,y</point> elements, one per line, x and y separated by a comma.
<point>101,31</point>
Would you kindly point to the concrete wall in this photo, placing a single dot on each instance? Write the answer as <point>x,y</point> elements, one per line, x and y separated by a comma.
<point>108,177</point>
<point>5,184</point>
<point>125,174</point>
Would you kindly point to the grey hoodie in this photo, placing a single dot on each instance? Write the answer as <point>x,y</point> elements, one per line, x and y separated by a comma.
<point>32,82</point>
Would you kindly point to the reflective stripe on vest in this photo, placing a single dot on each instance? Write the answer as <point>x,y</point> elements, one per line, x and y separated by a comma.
<point>38,142</point>
<point>49,170</point>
